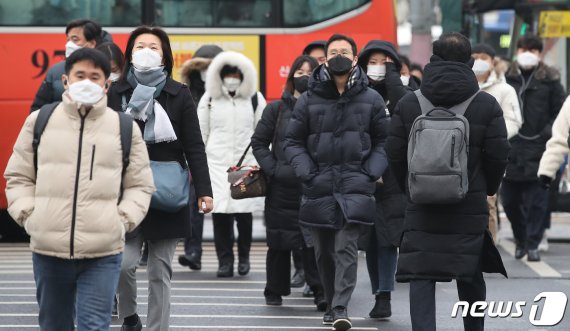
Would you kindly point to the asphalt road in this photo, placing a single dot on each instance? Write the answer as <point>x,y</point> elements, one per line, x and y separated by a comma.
<point>200,301</point>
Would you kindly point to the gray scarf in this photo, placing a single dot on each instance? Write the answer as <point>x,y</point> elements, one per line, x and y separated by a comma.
<point>142,106</point>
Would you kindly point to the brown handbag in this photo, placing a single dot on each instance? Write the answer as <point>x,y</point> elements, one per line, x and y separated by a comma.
<point>246,181</point>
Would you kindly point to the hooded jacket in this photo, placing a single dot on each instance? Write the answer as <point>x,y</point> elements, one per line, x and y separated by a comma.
<point>541,97</point>
<point>227,124</point>
<point>284,194</point>
<point>507,98</point>
<point>71,207</point>
<point>190,70</point>
<point>335,144</point>
<point>444,242</point>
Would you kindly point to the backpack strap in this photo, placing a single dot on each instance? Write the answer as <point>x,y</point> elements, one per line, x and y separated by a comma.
<point>41,122</point>
<point>126,131</point>
<point>254,101</point>
<point>458,109</point>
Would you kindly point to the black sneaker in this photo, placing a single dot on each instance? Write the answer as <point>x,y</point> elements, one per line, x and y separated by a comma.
<point>533,255</point>
<point>328,317</point>
<point>341,322</point>
<point>225,270</point>
<point>243,267</point>
<point>320,302</point>
<point>273,299</point>
<point>193,261</point>
<point>520,252</point>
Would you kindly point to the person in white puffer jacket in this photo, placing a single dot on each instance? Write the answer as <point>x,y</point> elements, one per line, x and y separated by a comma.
<point>556,147</point>
<point>227,121</point>
<point>493,82</point>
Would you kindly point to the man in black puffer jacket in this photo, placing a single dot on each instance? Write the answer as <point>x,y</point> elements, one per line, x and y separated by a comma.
<point>335,143</point>
<point>541,96</point>
<point>450,241</point>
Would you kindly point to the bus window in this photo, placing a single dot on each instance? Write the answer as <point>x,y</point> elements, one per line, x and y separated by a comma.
<point>215,13</point>
<point>61,12</point>
<point>308,12</point>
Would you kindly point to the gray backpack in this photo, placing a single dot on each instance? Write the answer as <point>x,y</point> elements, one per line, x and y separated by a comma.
<point>438,149</point>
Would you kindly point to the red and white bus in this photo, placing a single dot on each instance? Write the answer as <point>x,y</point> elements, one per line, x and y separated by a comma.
<point>271,32</point>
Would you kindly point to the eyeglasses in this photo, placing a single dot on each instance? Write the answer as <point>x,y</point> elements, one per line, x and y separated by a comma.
<point>343,52</point>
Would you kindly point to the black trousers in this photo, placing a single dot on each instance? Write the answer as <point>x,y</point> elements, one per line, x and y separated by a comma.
<point>422,302</point>
<point>278,266</point>
<point>526,204</point>
<point>224,236</point>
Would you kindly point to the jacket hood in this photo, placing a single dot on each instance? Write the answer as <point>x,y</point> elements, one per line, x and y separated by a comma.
<point>214,82</point>
<point>208,51</point>
<point>494,78</point>
<point>447,83</point>
<point>543,72</point>
<point>194,64</point>
<point>321,82</point>
<point>378,46</point>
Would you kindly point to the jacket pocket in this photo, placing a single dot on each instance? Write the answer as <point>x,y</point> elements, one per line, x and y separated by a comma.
<point>92,163</point>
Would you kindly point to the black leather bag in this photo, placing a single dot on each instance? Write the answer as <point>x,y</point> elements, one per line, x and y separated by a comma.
<point>246,181</point>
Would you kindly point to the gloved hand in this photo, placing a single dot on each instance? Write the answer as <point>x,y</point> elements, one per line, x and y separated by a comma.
<point>545,181</point>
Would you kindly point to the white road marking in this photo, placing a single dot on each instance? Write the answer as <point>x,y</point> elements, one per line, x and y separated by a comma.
<point>541,268</point>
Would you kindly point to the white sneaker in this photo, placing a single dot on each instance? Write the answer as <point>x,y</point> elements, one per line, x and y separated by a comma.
<point>543,246</point>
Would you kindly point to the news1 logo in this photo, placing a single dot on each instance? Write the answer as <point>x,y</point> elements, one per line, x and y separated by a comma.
<point>553,309</point>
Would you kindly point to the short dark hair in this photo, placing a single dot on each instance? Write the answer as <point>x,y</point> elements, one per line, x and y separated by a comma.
<point>297,64</point>
<point>113,53</point>
<point>453,46</point>
<point>336,37</point>
<point>530,42</point>
<point>91,29</point>
<point>98,59</point>
<point>484,49</point>
<point>416,66</point>
<point>229,69</point>
<point>166,49</point>
<point>405,60</point>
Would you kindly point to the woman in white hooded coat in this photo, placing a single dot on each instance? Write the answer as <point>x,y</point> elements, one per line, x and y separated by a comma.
<point>227,121</point>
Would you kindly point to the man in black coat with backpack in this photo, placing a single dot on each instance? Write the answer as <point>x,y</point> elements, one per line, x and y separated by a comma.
<point>449,240</point>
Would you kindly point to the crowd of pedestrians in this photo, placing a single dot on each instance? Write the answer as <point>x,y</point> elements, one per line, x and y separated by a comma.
<point>96,171</point>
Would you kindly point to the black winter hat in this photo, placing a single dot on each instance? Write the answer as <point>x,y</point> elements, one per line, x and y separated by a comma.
<point>314,44</point>
<point>208,51</point>
<point>378,46</point>
<point>484,48</point>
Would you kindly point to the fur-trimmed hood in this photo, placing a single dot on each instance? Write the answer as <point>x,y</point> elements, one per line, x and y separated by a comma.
<point>214,83</point>
<point>543,72</point>
<point>194,64</point>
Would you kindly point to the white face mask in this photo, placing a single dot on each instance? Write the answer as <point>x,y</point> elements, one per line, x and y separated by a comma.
<point>146,59</point>
<point>203,75</point>
<point>405,80</point>
<point>114,76</point>
<point>376,72</point>
<point>527,60</point>
<point>86,92</point>
<point>71,47</point>
<point>232,83</point>
<point>481,67</point>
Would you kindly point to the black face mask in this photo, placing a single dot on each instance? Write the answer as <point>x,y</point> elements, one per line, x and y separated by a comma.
<point>301,84</point>
<point>339,65</point>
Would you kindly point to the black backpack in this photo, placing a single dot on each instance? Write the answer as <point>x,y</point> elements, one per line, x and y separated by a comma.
<point>125,123</point>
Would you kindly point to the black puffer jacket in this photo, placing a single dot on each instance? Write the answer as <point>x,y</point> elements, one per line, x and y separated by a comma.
<point>444,242</point>
<point>335,143</point>
<point>284,197</point>
<point>541,101</point>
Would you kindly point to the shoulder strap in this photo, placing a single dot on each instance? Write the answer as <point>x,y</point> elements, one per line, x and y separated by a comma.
<point>243,156</point>
<point>126,132</point>
<point>277,122</point>
<point>254,101</point>
<point>41,122</point>
<point>458,109</point>
<point>124,102</point>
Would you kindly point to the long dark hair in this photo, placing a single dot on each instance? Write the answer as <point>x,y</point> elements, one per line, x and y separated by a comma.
<point>297,64</point>
<point>166,50</point>
<point>114,53</point>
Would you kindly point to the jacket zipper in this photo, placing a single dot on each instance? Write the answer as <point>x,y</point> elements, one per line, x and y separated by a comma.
<point>76,189</point>
<point>92,162</point>
<point>450,161</point>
